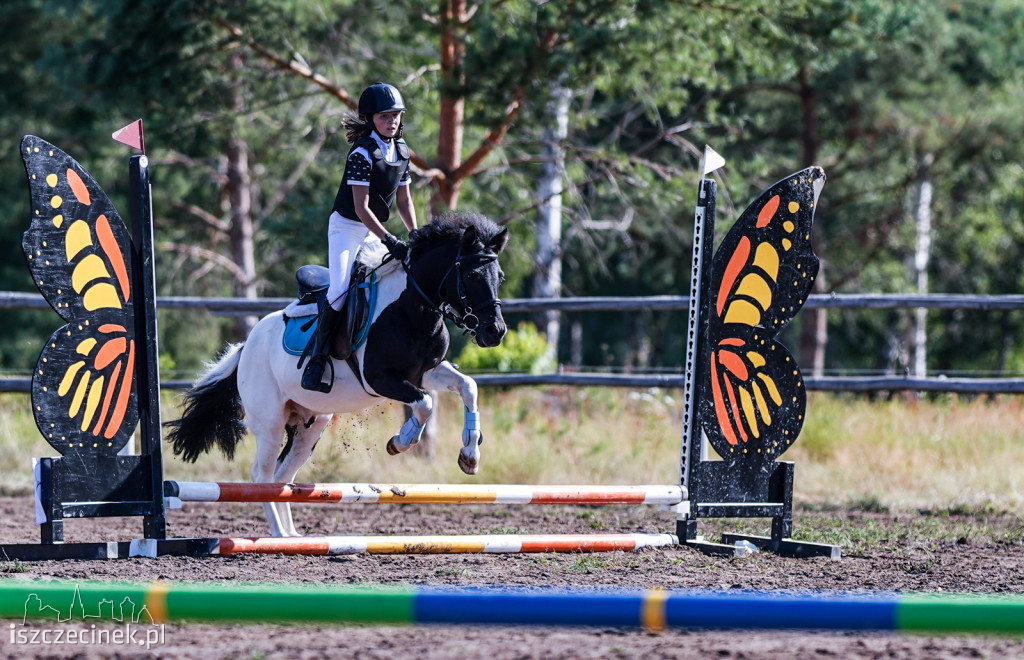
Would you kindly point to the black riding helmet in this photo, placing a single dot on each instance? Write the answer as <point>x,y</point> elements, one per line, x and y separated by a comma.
<point>380,97</point>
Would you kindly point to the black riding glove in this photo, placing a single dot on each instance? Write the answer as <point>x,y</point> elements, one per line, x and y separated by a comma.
<point>398,249</point>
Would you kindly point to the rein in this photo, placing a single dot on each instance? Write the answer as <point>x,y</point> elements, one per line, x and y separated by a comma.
<point>467,321</point>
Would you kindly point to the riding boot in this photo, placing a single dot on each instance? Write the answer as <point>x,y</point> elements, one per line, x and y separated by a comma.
<point>313,375</point>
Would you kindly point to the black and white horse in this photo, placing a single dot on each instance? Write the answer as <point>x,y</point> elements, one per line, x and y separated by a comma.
<point>452,271</point>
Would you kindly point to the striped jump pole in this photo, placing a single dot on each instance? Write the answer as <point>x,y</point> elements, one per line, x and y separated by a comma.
<point>419,545</point>
<point>201,491</point>
<point>425,545</point>
<point>654,609</point>
<point>672,497</point>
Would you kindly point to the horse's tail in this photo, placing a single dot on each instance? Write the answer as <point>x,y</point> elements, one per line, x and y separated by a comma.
<point>213,411</point>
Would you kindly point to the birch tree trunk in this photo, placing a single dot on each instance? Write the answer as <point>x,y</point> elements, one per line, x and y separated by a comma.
<point>922,254</point>
<point>547,279</point>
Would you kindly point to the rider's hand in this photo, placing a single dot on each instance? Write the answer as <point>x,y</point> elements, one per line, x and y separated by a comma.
<point>398,249</point>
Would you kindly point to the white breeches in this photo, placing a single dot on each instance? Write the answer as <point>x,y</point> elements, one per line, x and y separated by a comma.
<point>344,238</point>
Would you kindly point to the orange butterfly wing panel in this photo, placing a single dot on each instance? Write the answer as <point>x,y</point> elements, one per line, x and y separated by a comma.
<point>754,398</point>
<point>83,387</point>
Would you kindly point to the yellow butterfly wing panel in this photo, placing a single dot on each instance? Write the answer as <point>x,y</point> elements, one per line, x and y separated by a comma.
<point>761,276</point>
<point>76,248</point>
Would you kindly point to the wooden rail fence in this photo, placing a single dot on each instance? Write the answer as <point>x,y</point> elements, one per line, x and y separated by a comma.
<point>259,306</point>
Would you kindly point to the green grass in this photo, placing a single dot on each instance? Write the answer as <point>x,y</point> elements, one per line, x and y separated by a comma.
<point>941,457</point>
<point>589,564</point>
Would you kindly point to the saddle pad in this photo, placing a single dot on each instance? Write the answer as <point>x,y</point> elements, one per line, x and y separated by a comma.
<point>298,331</point>
<point>300,319</point>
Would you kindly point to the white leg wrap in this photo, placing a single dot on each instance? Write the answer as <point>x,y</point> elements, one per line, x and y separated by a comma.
<point>409,435</point>
<point>471,424</point>
<point>469,455</point>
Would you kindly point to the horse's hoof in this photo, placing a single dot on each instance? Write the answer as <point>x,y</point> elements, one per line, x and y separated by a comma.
<point>392,449</point>
<point>468,465</point>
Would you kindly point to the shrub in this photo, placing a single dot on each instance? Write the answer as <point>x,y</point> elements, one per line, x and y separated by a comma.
<point>523,350</point>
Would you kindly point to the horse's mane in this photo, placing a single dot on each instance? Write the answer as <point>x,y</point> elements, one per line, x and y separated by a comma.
<point>445,227</point>
<point>451,225</point>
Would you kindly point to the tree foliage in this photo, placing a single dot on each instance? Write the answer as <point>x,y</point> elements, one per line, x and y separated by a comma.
<point>247,96</point>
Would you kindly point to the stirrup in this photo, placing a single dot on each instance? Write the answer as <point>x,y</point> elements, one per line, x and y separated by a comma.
<point>313,375</point>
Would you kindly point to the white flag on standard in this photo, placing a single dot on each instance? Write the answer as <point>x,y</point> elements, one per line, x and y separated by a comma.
<point>712,161</point>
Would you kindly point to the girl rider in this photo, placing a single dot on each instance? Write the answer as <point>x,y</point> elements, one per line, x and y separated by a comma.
<point>376,174</point>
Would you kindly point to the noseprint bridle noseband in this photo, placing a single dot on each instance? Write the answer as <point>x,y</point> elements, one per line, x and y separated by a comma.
<point>467,321</point>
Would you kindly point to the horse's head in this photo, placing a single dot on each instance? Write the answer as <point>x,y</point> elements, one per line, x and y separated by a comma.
<point>477,278</point>
<point>459,252</point>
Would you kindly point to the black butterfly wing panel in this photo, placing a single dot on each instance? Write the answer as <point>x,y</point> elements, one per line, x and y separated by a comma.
<point>761,276</point>
<point>76,248</point>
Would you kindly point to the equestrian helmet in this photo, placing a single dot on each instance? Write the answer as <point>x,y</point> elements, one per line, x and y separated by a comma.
<point>380,97</point>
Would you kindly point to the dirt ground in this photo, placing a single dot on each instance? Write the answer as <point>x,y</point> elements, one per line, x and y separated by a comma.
<point>962,553</point>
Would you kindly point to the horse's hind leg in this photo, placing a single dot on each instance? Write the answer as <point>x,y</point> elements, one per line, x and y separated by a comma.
<point>295,454</point>
<point>446,376</point>
<point>268,433</point>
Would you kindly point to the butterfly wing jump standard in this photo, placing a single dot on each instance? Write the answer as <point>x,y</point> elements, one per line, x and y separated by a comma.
<point>750,398</point>
<point>96,377</point>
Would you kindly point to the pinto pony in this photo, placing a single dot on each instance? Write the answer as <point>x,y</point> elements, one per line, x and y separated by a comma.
<point>452,272</point>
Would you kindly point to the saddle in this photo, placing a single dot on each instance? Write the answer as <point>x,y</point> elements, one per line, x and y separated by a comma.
<point>302,315</point>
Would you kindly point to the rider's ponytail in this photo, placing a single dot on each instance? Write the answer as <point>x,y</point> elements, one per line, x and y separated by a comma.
<point>357,127</point>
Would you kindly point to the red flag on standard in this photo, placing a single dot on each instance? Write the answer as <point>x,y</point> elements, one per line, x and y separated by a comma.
<point>131,135</point>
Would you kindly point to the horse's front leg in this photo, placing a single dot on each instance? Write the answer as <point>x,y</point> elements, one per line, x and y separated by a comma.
<point>446,376</point>
<point>422,405</point>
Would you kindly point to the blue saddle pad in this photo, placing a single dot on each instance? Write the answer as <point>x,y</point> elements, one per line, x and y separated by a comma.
<point>298,332</point>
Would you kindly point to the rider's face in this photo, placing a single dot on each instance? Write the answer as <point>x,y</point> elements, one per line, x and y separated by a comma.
<point>387,123</point>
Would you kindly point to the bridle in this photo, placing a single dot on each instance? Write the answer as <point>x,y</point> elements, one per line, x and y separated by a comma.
<point>467,321</point>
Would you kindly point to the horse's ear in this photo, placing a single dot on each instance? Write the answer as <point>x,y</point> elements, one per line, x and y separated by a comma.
<point>469,237</point>
<point>499,241</point>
